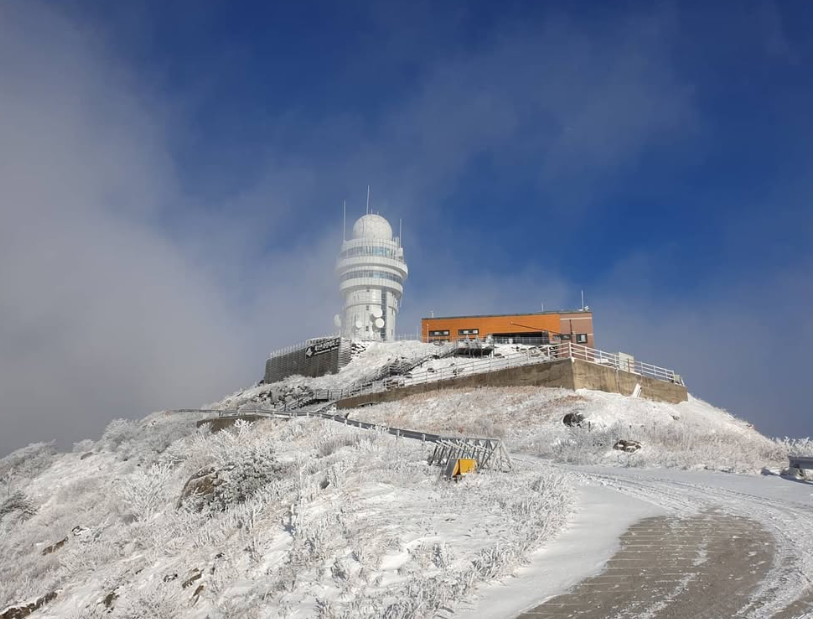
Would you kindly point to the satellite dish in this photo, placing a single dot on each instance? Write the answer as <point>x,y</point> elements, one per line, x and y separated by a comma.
<point>377,312</point>
<point>358,324</point>
<point>379,323</point>
<point>337,321</point>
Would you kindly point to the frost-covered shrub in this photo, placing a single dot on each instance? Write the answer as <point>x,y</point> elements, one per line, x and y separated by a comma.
<point>669,445</point>
<point>158,600</point>
<point>235,464</point>
<point>144,492</point>
<point>28,461</point>
<point>332,444</point>
<point>162,430</point>
<point>246,475</point>
<point>83,446</point>
<point>17,506</point>
<point>119,432</point>
<point>795,446</point>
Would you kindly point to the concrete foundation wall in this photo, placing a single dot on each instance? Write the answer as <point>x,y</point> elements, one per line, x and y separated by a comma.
<point>601,378</point>
<point>567,373</point>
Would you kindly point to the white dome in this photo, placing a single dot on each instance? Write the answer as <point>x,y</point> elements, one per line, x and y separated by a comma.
<point>372,227</point>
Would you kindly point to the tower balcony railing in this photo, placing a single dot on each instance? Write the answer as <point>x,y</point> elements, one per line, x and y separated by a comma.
<point>352,262</point>
<point>371,282</point>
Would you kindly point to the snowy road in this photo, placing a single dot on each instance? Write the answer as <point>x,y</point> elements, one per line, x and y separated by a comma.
<point>664,543</point>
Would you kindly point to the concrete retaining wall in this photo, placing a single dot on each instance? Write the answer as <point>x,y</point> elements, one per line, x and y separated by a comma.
<point>602,378</point>
<point>567,373</point>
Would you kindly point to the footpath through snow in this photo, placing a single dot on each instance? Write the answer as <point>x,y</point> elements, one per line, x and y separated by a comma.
<point>611,500</point>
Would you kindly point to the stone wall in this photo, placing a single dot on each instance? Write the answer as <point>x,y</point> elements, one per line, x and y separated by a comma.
<point>567,373</point>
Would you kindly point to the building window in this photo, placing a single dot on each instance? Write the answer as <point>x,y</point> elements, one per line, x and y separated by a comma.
<point>581,338</point>
<point>370,275</point>
<point>468,331</point>
<point>438,333</point>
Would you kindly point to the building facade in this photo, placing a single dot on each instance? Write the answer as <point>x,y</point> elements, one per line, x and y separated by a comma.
<point>371,270</point>
<point>538,328</point>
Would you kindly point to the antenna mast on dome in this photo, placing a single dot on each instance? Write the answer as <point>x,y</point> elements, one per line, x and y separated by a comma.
<point>368,200</point>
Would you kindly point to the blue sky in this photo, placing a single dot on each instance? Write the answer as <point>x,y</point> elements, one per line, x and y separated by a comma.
<point>172,182</point>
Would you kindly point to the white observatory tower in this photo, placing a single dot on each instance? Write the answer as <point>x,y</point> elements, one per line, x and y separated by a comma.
<point>371,272</point>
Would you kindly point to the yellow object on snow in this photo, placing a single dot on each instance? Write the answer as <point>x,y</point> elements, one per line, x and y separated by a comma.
<point>464,466</point>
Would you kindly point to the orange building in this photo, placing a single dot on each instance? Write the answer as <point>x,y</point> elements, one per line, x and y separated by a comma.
<point>539,328</point>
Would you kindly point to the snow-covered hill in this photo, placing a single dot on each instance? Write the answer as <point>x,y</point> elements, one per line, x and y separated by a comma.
<point>689,435</point>
<point>309,518</point>
<point>301,518</point>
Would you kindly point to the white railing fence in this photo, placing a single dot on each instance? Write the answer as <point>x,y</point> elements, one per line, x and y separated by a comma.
<point>516,358</point>
<point>300,345</point>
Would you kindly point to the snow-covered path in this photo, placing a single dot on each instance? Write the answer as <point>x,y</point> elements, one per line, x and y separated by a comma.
<point>746,540</point>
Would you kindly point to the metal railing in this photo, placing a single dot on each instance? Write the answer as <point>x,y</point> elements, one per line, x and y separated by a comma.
<point>519,357</point>
<point>404,374</point>
<point>488,451</point>
<point>300,345</point>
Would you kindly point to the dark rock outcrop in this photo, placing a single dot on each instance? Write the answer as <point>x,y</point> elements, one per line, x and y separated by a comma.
<point>574,419</point>
<point>24,610</point>
<point>54,547</point>
<point>628,446</point>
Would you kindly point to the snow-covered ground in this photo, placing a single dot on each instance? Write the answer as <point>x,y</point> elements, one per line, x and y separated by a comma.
<point>691,434</point>
<point>610,499</point>
<point>301,518</point>
<point>309,518</point>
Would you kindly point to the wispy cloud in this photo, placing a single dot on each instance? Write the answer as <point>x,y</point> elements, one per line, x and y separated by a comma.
<point>132,281</point>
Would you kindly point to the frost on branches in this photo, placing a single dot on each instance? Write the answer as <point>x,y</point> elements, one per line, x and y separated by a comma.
<point>303,515</point>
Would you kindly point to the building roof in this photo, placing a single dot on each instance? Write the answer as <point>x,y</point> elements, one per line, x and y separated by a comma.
<point>372,226</point>
<point>576,311</point>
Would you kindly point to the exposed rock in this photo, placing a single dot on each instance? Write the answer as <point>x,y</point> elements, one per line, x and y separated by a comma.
<point>109,599</point>
<point>23,610</point>
<point>80,531</point>
<point>196,575</point>
<point>54,547</point>
<point>573,419</point>
<point>628,446</point>
<point>86,455</point>
<point>201,486</point>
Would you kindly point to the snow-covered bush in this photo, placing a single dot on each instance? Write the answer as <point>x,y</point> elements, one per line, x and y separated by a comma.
<point>663,445</point>
<point>161,430</point>
<point>27,462</point>
<point>144,492</point>
<point>17,507</point>
<point>230,466</point>
<point>795,446</point>
<point>84,446</point>
<point>118,433</point>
